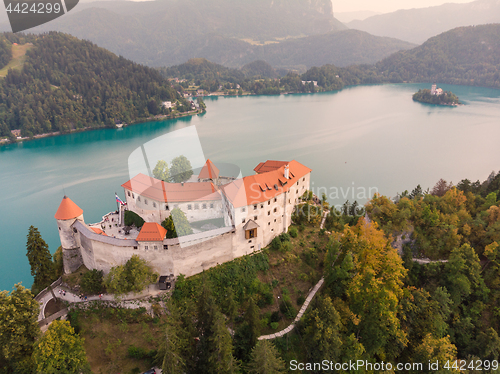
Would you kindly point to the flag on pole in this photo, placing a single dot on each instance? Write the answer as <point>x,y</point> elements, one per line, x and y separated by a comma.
<point>118,200</point>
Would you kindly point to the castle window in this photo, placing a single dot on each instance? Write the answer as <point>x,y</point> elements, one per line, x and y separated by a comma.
<point>154,204</point>
<point>190,207</point>
<point>269,202</point>
<point>269,213</point>
<point>297,183</point>
<point>166,207</point>
<point>243,220</point>
<point>254,207</point>
<point>269,223</point>
<point>252,247</point>
<point>74,230</point>
<point>59,229</point>
<point>138,198</point>
<point>275,210</point>
<point>156,247</point>
<point>211,206</point>
<point>274,220</point>
<point>146,247</point>
<point>128,193</point>
<point>133,196</point>
<point>146,201</point>
<point>196,206</point>
<point>261,206</point>
<point>252,233</point>
<point>275,199</point>
<point>255,218</point>
<point>204,206</point>
<point>297,192</point>
<point>303,179</point>
<point>165,246</point>
<point>135,247</point>
<point>243,210</point>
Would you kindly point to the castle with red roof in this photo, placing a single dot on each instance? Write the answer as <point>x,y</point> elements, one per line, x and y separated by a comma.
<point>229,218</point>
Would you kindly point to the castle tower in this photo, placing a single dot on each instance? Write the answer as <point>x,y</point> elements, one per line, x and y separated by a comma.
<point>67,213</point>
<point>433,89</point>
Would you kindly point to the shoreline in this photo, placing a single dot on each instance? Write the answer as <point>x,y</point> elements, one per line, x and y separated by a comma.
<point>157,118</point>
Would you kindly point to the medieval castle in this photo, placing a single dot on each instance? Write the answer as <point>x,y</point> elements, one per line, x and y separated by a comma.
<point>230,218</point>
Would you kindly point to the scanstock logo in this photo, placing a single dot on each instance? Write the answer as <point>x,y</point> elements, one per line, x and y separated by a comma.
<point>25,14</point>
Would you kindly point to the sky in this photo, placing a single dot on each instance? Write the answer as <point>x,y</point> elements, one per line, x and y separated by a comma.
<point>385,6</point>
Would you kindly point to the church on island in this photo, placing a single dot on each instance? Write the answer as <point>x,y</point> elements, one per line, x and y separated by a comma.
<point>229,218</point>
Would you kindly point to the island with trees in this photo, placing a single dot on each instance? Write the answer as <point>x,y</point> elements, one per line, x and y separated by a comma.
<point>436,97</point>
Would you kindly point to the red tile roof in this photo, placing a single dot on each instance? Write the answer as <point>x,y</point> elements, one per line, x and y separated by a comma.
<point>98,231</point>
<point>209,171</point>
<point>269,165</point>
<point>262,187</point>
<point>151,232</point>
<point>68,210</point>
<point>171,192</point>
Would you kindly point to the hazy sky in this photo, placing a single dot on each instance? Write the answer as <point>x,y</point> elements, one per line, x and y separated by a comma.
<point>385,6</point>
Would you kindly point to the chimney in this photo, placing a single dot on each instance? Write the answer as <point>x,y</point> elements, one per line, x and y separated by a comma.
<point>182,184</point>
<point>287,172</point>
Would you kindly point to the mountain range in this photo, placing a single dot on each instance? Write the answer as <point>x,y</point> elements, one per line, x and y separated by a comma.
<point>293,34</point>
<point>418,25</point>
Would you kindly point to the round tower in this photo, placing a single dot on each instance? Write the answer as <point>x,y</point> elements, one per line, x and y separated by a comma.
<point>67,213</point>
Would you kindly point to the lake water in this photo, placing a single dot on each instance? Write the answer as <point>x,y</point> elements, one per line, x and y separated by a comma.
<point>359,140</point>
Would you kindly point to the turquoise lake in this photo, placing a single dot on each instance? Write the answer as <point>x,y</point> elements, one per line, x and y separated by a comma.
<point>357,141</point>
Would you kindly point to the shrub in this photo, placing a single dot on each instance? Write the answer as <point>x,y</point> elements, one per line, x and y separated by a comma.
<point>91,282</point>
<point>300,300</point>
<point>287,309</point>
<point>284,237</point>
<point>274,325</point>
<point>285,247</point>
<point>302,228</point>
<point>275,317</point>
<point>293,232</point>
<point>132,218</point>
<point>276,243</point>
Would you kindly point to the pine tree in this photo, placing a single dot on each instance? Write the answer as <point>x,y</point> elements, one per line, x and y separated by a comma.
<point>265,359</point>
<point>42,267</point>
<point>221,360</point>
<point>170,352</point>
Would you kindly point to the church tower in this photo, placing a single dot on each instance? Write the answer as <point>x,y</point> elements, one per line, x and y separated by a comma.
<point>67,213</point>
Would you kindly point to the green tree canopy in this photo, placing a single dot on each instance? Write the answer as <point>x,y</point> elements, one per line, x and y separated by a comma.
<point>177,224</point>
<point>60,351</point>
<point>265,359</point>
<point>134,276</point>
<point>18,327</point>
<point>181,169</point>
<point>161,171</point>
<point>40,259</point>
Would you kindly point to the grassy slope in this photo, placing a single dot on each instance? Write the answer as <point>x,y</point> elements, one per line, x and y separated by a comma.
<point>18,58</point>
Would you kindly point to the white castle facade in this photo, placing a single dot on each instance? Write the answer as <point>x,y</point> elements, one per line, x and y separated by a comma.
<point>230,218</point>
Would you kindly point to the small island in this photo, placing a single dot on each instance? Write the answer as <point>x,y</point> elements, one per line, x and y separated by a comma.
<point>436,96</point>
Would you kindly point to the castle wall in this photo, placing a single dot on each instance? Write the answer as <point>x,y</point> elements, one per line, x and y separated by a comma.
<point>103,253</point>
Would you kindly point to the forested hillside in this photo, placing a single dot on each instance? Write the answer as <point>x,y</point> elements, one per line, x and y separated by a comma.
<point>68,83</point>
<point>465,55</point>
<point>418,25</point>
